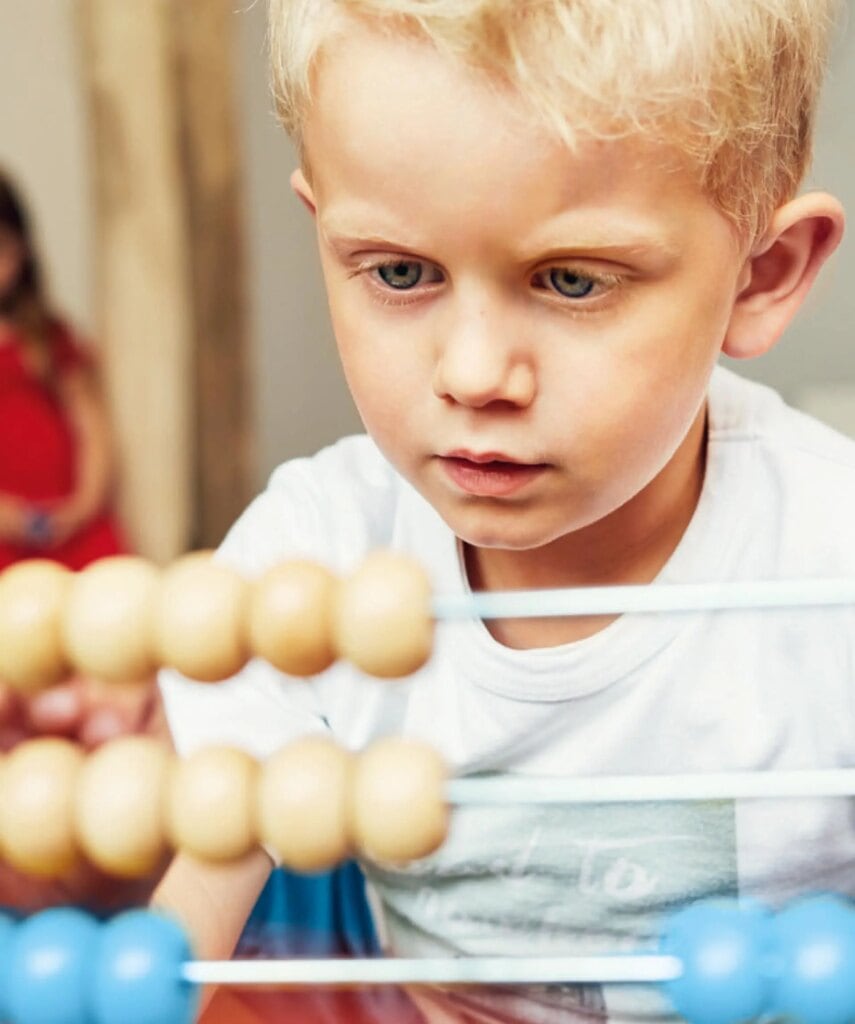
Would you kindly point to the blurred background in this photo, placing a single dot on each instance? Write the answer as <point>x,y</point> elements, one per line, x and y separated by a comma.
<point>143,136</point>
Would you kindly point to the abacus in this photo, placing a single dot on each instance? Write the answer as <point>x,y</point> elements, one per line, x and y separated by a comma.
<point>311,804</point>
<point>122,618</point>
<point>718,963</point>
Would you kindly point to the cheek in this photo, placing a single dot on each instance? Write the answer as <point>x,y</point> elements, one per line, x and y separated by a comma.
<point>380,357</point>
<point>661,401</point>
<point>378,379</point>
<point>677,341</point>
<point>625,408</point>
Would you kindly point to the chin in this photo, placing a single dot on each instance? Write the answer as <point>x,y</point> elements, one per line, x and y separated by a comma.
<point>512,530</point>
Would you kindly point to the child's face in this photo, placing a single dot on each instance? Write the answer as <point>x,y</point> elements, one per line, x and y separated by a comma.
<point>495,296</point>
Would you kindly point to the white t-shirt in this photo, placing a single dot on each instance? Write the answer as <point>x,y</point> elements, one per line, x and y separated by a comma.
<point>687,692</point>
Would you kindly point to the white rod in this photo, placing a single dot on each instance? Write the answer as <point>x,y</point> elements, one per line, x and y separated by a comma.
<point>663,597</point>
<point>430,971</point>
<point>509,789</point>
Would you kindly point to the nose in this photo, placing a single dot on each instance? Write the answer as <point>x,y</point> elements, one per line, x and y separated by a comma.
<point>479,363</point>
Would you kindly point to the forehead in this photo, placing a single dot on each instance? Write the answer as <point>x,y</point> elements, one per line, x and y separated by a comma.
<point>397,127</point>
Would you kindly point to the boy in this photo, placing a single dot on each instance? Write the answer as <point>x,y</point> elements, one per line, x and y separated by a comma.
<point>540,224</point>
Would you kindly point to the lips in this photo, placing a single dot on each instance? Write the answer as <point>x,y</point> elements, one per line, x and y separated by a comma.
<point>489,474</point>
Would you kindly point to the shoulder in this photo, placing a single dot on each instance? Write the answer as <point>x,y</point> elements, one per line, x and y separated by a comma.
<point>800,472</point>
<point>743,412</point>
<point>332,507</point>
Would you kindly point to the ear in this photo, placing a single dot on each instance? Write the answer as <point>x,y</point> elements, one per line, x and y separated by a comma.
<point>780,271</point>
<point>303,191</point>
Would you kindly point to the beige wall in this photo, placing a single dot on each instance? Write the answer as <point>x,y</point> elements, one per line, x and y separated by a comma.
<point>43,141</point>
<point>302,402</point>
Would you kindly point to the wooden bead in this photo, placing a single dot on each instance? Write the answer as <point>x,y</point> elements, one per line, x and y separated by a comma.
<point>303,804</point>
<point>107,624</point>
<point>36,806</point>
<point>120,805</point>
<point>289,619</point>
<point>199,619</point>
<point>382,616</point>
<point>32,598</point>
<point>398,809</point>
<point>211,806</point>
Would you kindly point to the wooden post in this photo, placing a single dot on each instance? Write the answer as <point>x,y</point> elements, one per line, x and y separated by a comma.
<point>170,266</point>
<point>210,140</point>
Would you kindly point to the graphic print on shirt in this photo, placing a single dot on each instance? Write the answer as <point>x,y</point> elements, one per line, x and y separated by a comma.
<point>566,880</point>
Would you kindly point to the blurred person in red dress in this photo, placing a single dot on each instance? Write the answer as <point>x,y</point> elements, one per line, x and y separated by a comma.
<point>56,463</point>
<point>56,475</point>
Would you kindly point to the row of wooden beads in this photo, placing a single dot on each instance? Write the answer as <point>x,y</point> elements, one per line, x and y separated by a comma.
<point>311,805</point>
<point>121,618</point>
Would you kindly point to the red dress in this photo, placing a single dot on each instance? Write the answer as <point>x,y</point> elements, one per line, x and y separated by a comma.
<point>37,453</point>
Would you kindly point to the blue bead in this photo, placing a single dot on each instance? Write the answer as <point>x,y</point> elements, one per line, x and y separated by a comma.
<point>722,949</point>
<point>814,948</point>
<point>7,933</point>
<point>137,972</point>
<point>47,973</point>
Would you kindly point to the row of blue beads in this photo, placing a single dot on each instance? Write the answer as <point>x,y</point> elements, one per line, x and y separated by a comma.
<point>62,966</point>
<point>740,963</point>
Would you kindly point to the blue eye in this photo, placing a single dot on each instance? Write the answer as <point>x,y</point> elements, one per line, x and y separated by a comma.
<point>401,275</point>
<point>571,284</point>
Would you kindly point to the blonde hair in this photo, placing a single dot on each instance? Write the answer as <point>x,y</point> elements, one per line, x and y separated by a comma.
<point>733,84</point>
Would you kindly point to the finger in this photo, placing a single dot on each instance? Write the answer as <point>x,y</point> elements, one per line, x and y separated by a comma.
<point>113,710</point>
<point>57,710</point>
<point>128,698</point>
<point>102,725</point>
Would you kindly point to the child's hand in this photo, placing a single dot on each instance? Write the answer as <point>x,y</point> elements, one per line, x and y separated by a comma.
<point>90,713</point>
<point>84,886</point>
<point>84,710</point>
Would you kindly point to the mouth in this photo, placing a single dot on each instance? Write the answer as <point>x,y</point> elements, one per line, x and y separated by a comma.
<point>490,474</point>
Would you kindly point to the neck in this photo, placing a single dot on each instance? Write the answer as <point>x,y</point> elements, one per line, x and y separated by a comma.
<point>631,545</point>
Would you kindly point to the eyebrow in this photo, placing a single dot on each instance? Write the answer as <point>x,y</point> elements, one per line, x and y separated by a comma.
<point>552,243</point>
<point>346,236</point>
<point>628,240</point>
<point>645,249</point>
